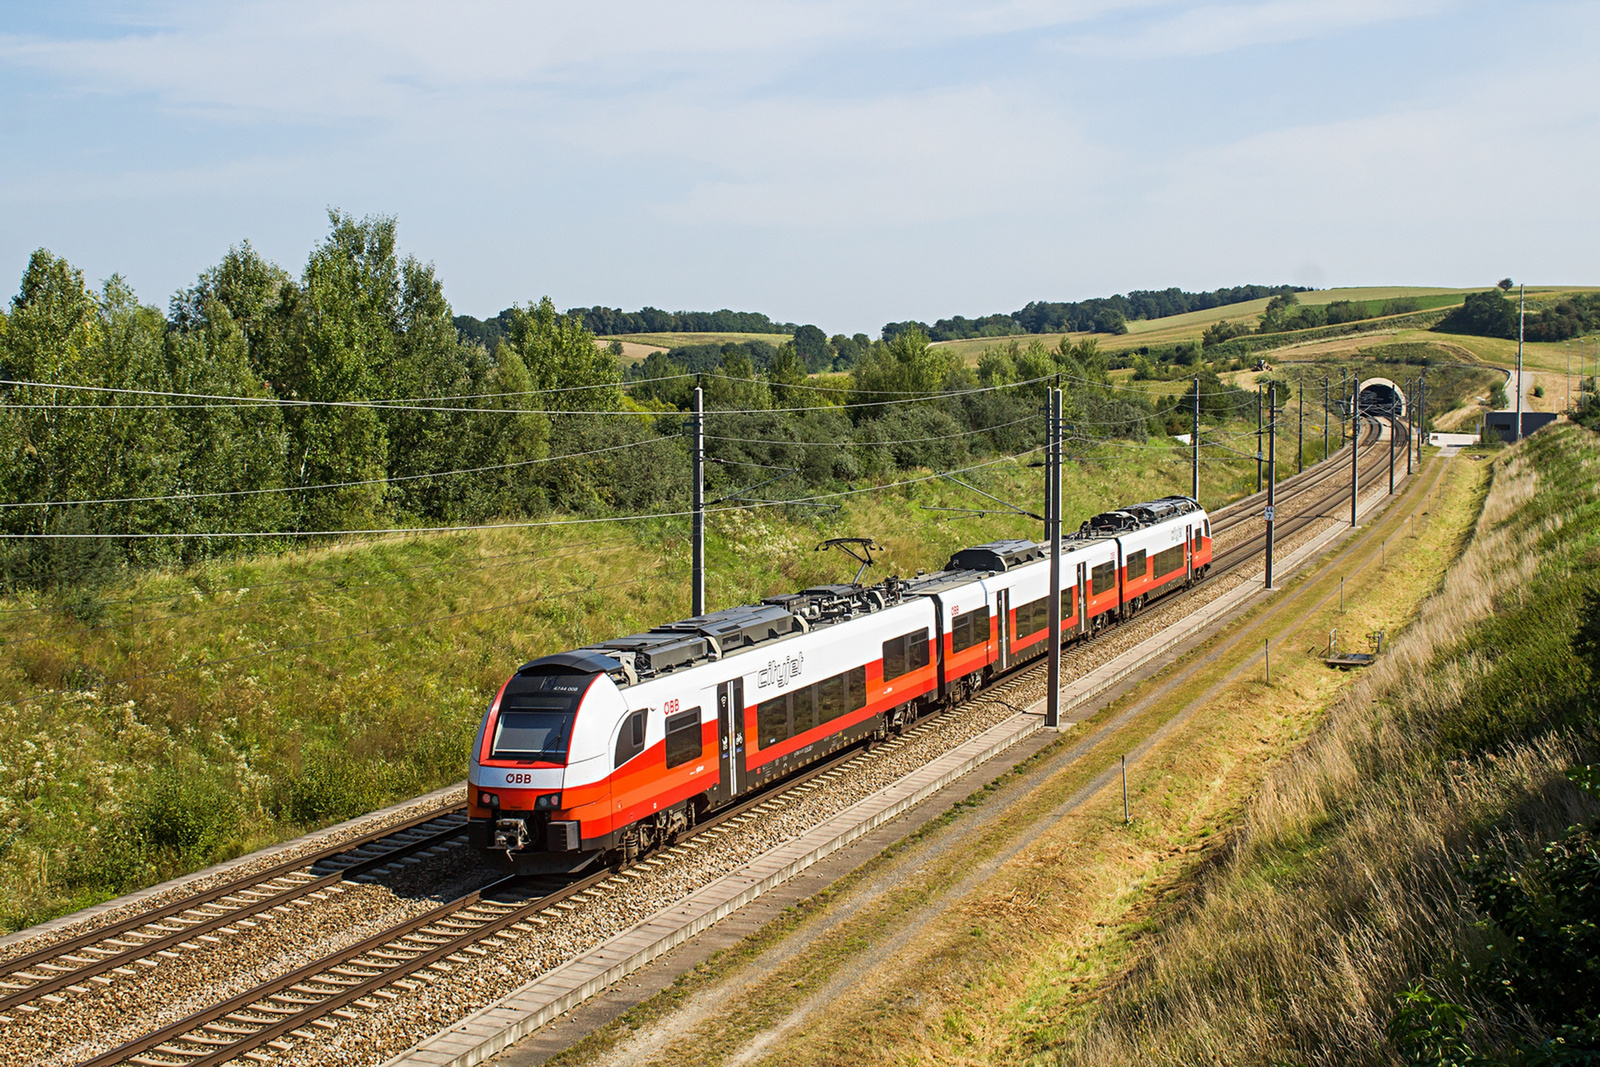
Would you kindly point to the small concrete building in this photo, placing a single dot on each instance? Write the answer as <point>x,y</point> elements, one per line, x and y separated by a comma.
<point>1505,422</point>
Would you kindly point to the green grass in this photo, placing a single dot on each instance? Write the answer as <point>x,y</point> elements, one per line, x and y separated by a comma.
<point>1346,881</point>
<point>172,719</point>
<point>1190,326</point>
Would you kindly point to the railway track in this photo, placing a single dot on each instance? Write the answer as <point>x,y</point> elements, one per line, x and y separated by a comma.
<point>273,1016</point>
<point>1310,500</point>
<point>414,952</point>
<point>95,955</point>
<point>1334,468</point>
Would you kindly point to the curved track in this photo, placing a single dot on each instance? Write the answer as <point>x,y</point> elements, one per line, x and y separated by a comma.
<point>104,949</point>
<point>296,1004</point>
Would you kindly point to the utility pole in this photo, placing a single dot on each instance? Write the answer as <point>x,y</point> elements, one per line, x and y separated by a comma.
<point>1422,414</point>
<point>1194,479</point>
<point>1300,438</point>
<point>1393,421</point>
<point>1324,418</point>
<point>1258,437</point>
<point>1522,311</point>
<point>1411,420</point>
<point>1342,378</point>
<point>1272,475</point>
<point>1052,703</point>
<point>698,592</point>
<point>1355,448</point>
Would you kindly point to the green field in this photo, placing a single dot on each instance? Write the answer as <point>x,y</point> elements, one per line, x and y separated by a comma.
<point>1190,326</point>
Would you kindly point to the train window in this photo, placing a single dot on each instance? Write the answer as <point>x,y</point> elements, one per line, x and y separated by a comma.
<point>1103,578</point>
<point>804,712</point>
<point>968,629</point>
<point>772,720</point>
<point>1169,559</point>
<point>858,686</point>
<point>833,697</point>
<point>1137,567</point>
<point>1208,527</point>
<point>533,727</point>
<point>684,740</point>
<point>630,739</point>
<point>902,655</point>
<point>1069,598</point>
<point>917,649</point>
<point>1033,617</point>
<point>1197,540</point>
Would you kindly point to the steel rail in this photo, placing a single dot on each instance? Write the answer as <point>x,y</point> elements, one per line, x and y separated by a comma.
<point>1245,508</point>
<point>348,988</point>
<point>17,968</point>
<point>1293,523</point>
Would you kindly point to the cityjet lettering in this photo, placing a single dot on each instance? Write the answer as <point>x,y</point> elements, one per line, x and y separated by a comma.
<point>778,672</point>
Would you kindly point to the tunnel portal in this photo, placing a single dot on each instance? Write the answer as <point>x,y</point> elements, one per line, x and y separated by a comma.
<point>1381,396</point>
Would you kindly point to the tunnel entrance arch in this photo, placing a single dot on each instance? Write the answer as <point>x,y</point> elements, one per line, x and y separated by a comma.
<point>1382,396</point>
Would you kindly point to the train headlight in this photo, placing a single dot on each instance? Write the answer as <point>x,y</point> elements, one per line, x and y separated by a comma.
<point>547,802</point>
<point>488,800</point>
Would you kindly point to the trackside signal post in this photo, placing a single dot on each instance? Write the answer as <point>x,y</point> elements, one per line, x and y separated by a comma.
<point>1052,532</point>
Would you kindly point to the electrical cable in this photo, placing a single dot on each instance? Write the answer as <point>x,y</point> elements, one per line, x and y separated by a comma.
<point>879,444</point>
<point>396,406</point>
<point>407,530</point>
<point>247,604</point>
<point>281,649</point>
<point>332,485</point>
<point>447,566</point>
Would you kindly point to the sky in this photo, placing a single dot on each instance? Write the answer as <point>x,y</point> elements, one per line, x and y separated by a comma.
<point>845,164</point>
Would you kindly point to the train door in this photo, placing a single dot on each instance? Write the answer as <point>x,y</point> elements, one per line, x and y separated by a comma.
<point>1121,563</point>
<point>1081,591</point>
<point>730,737</point>
<point>1188,552</point>
<point>1002,604</point>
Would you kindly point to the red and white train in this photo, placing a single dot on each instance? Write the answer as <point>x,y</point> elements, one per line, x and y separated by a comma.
<point>605,752</point>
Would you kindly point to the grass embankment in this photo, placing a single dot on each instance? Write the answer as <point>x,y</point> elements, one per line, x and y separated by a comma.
<point>171,720</point>
<point>988,937</point>
<point>1348,878</point>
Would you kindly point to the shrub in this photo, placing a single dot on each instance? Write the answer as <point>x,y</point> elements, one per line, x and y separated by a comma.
<point>185,814</point>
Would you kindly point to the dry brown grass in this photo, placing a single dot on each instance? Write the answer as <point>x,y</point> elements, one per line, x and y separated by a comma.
<point>1344,881</point>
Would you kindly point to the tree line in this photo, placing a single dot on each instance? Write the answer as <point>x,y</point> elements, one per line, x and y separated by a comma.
<point>346,397</point>
<point>1109,314</point>
<point>1492,314</point>
<point>606,322</point>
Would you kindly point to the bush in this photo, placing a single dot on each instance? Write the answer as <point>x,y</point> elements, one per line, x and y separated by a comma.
<point>1222,332</point>
<point>185,814</point>
<point>329,787</point>
<point>1487,314</point>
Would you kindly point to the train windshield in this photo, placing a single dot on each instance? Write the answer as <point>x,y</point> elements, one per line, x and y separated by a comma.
<point>534,727</point>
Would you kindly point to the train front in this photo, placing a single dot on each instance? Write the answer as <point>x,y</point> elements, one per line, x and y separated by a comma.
<point>538,786</point>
